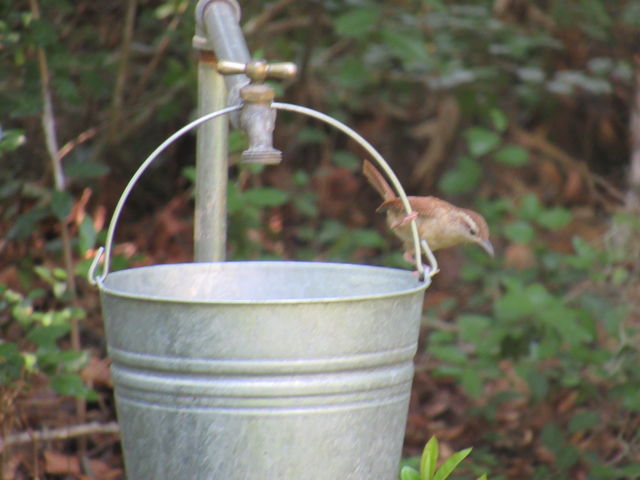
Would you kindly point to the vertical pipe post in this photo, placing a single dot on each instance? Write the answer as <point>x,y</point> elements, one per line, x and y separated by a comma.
<point>210,229</point>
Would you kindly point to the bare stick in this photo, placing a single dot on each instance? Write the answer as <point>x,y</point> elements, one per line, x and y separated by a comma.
<point>633,194</point>
<point>265,17</point>
<point>160,51</point>
<point>68,147</point>
<point>49,127</point>
<point>63,433</point>
<point>545,146</point>
<point>117,100</point>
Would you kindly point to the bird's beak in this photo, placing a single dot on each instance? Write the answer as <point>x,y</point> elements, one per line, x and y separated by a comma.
<point>487,247</point>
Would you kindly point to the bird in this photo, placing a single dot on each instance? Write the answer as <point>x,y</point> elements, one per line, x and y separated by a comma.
<point>440,224</point>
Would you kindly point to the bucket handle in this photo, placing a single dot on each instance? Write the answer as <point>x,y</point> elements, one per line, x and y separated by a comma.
<point>419,244</point>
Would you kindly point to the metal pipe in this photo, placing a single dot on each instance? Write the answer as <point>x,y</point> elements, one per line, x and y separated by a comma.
<point>210,221</point>
<point>218,29</point>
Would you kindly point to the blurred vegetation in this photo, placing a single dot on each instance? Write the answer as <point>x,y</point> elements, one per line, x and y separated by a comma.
<point>517,108</point>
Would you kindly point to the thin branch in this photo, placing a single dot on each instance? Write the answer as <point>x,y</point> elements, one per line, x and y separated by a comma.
<point>633,194</point>
<point>592,179</point>
<point>117,100</point>
<point>49,127</point>
<point>68,147</point>
<point>265,17</point>
<point>63,433</point>
<point>163,45</point>
<point>48,119</point>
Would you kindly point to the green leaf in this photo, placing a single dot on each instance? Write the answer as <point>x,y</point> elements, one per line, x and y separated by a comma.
<point>64,360</point>
<point>358,22</point>
<point>11,139</point>
<point>481,140</point>
<point>450,465</point>
<point>552,438</point>
<point>584,420</point>
<point>448,353</point>
<point>11,363</point>
<point>43,33</point>
<point>519,232</point>
<point>346,160</point>
<point>309,135</point>
<point>408,473</point>
<point>538,384</point>
<point>472,326</point>
<point>408,46</point>
<point>512,155</point>
<point>190,173</point>
<point>513,305</point>
<point>429,459</point>
<point>482,477</point>
<point>554,218</point>
<point>71,384</point>
<point>530,207</point>
<point>61,204</point>
<point>266,197</point>
<point>472,382</point>
<point>82,170</point>
<point>367,238</point>
<point>499,119</point>
<point>463,178</point>
<point>26,224</point>
<point>46,336</point>
<point>86,235</point>
<point>306,203</point>
<point>352,75</point>
<point>586,254</point>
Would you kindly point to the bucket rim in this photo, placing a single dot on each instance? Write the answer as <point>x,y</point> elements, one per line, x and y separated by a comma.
<point>421,285</point>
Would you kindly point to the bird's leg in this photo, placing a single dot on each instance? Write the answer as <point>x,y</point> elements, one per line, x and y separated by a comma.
<point>405,220</point>
<point>433,263</point>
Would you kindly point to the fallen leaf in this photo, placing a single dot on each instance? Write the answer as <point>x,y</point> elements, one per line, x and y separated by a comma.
<point>519,256</point>
<point>59,464</point>
<point>103,471</point>
<point>97,372</point>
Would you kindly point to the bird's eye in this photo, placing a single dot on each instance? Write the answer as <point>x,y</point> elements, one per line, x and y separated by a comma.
<point>473,231</point>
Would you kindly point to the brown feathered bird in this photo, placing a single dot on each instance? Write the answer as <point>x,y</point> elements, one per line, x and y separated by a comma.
<point>441,224</point>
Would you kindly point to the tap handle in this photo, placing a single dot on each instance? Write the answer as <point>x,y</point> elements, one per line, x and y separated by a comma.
<point>258,70</point>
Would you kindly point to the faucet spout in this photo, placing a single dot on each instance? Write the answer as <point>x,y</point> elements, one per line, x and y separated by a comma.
<point>258,119</point>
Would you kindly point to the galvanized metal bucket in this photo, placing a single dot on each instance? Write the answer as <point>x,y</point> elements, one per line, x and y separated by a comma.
<point>260,370</point>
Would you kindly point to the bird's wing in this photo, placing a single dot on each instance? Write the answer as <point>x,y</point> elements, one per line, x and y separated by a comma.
<point>424,206</point>
<point>378,182</point>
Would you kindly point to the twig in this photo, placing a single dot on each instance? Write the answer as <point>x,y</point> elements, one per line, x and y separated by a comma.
<point>49,127</point>
<point>68,147</point>
<point>63,433</point>
<point>633,194</point>
<point>160,50</point>
<point>265,17</point>
<point>136,120</point>
<point>548,148</point>
<point>117,100</point>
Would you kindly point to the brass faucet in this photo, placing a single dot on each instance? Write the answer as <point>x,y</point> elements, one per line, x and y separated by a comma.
<point>258,118</point>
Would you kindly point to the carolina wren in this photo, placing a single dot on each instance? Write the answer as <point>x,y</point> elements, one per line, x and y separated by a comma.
<point>441,224</point>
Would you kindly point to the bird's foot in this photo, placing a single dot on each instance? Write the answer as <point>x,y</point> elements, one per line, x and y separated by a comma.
<point>405,220</point>
<point>409,257</point>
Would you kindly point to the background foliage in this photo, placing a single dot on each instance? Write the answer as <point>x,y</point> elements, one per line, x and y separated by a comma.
<point>520,109</point>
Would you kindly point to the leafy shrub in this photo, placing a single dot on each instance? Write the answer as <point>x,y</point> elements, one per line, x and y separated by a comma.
<point>42,333</point>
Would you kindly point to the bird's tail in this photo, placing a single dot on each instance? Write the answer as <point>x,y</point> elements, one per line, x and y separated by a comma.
<point>377,181</point>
